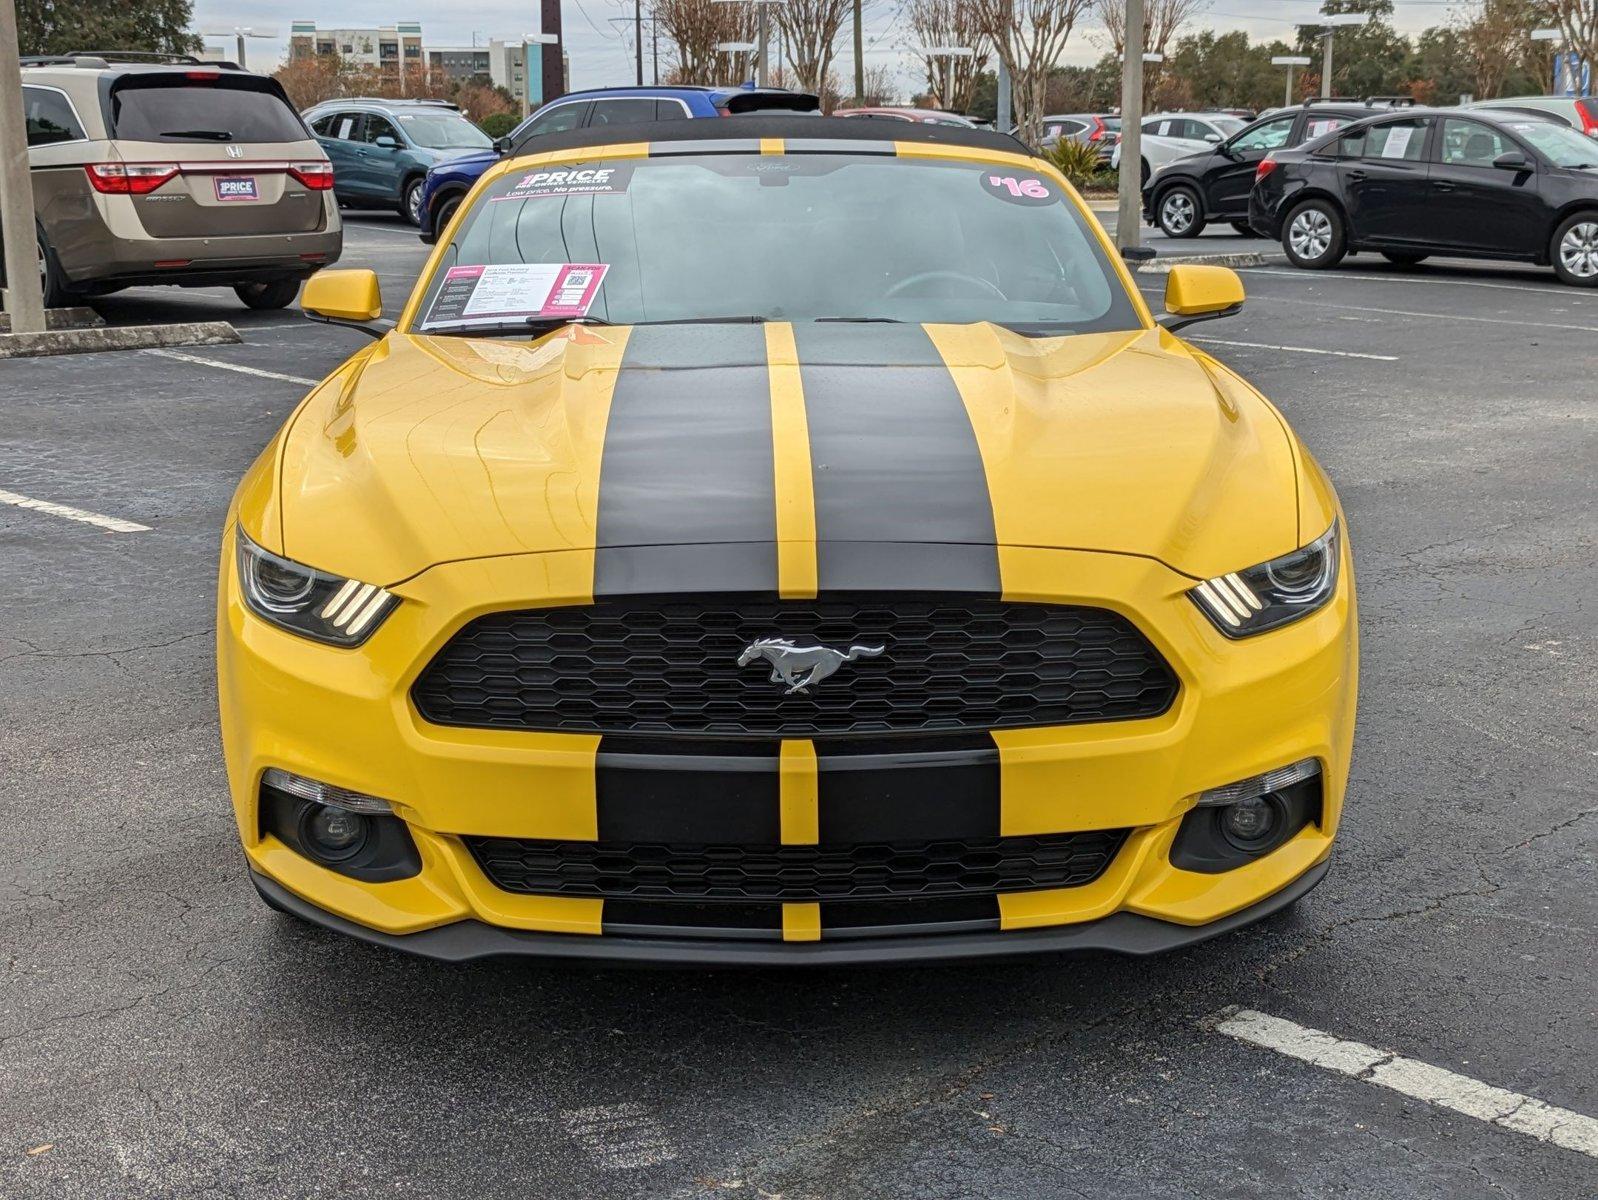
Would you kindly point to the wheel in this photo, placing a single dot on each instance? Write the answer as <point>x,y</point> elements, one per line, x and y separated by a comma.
<point>1400,258</point>
<point>278,293</point>
<point>446,214</point>
<point>53,284</point>
<point>1244,229</point>
<point>1575,250</point>
<point>411,202</point>
<point>1178,213</point>
<point>1313,235</point>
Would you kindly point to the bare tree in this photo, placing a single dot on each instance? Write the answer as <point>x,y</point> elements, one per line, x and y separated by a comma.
<point>809,37</point>
<point>882,87</point>
<point>693,27</point>
<point>1162,21</point>
<point>1029,36</point>
<point>952,23</point>
<point>1578,20</point>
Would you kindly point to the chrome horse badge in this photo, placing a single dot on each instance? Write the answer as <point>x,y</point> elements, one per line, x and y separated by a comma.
<point>800,666</point>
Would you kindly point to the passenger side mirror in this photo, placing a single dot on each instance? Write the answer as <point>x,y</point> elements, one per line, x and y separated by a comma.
<point>350,298</point>
<point>501,144</point>
<point>1194,292</point>
<point>1512,160</point>
<point>386,143</point>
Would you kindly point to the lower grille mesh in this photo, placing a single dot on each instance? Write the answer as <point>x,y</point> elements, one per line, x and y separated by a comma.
<point>889,870</point>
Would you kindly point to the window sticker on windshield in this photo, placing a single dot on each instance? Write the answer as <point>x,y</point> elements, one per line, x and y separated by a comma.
<point>572,181</point>
<point>1397,142</point>
<point>488,295</point>
<point>1018,189</point>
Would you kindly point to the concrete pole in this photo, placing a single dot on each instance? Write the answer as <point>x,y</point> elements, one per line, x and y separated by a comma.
<point>859,58</point>
<point>24,297</point>
<point>1129,213</point>
<point>1326,65</point>
<point>762,75</point>
<point>1001,120</point>
<point>241,51</point>
<point>1287,99</point>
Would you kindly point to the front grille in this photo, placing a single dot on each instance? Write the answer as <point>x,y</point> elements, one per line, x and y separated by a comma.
<point>884,871</point>
<point>671,666</point>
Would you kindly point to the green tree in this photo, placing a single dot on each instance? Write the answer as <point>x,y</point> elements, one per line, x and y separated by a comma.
<point>1209,70</point>
<point>61,26</point>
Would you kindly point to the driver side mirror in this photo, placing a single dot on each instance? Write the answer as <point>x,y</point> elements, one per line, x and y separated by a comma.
<point>1512,160</point>
<point>386,143</point>
<point>350,298</point>
<point>501,144</point>
<point>1194,292</point>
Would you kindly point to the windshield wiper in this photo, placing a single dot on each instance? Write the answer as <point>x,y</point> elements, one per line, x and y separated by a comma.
<point>859,320</point>
<point>531,326</point>
<point>209,135</point>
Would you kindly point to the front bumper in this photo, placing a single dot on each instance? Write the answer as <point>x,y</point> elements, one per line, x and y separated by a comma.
<point>346,717</point>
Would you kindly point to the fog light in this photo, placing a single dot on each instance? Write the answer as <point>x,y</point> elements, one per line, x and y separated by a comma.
<point>332,834</point>
<point>1251,824</point>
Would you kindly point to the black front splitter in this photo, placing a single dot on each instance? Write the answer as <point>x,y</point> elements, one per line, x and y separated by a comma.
<point>1121,933</point>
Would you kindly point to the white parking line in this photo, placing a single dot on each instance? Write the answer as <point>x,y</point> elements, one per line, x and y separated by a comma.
<point>1418,1080</point>
<point>1447,280</point>
<point>1296,349</point>
<point>1436,316</point>
<point>114,524</point>
<point>222,366</point>
<point>619,1137</point>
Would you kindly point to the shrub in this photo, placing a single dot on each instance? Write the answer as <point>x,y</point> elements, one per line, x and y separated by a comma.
<point>497,125</point>
<point>1077,161</point>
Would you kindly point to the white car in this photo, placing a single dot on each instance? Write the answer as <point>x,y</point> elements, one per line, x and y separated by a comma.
<point>1170,136</point>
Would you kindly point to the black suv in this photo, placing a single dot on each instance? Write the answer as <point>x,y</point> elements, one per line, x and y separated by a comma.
<point>1213,185</point>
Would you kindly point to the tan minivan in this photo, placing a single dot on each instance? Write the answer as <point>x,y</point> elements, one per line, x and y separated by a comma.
<point>173,172</point>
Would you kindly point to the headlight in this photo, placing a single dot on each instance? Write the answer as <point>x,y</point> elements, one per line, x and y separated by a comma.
<point>312,603</point>
<point>1274,593</point>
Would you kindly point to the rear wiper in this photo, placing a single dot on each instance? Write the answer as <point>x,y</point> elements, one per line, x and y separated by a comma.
<point>210,135</point>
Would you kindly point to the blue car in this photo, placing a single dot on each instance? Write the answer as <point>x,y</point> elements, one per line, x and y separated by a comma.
<point>381,150</point>
<point>448,182</point>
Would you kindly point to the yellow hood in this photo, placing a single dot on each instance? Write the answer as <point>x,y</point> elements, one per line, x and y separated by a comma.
<point>435,449</point>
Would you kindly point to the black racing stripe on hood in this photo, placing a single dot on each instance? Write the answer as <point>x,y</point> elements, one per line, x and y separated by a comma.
<point>895,463</point>
<point>687,462</point>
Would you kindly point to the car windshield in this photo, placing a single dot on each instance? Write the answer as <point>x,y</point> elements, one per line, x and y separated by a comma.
<point>1563,147</point>
<point>1227,125</point>
<point>802,237</point>
<point>443,131</point>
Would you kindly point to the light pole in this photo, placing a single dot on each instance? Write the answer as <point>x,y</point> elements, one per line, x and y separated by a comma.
<point>1289,61</point>
<point>24,287</point>
<point>763,43</point>
<point>240,32</point>
<point>1330,23</point>
<point>528,75</point>
<point>1129,188</point>
<point>1552,37</point>
<point>948,54</point>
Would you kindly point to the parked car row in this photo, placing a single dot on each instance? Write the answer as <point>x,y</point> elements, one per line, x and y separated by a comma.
<point>160,169</point>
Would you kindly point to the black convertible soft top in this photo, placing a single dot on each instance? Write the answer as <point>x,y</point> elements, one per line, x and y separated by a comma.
<point>797,127</point>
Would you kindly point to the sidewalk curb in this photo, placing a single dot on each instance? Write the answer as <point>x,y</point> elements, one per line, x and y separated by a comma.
<point>116,337</point>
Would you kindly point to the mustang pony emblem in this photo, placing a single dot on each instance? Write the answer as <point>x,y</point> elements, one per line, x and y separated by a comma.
<point>800,666</point>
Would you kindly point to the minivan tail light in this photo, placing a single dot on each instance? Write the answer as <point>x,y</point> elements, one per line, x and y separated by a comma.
<point>318,176</point>
<point>1267,165</point>
<point>129,179</point>
<point>1589,116</point>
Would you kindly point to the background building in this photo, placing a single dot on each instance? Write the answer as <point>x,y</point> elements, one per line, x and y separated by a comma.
<point>384,47</point>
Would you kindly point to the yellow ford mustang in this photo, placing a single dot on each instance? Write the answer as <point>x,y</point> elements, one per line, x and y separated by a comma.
<point>762,541</point>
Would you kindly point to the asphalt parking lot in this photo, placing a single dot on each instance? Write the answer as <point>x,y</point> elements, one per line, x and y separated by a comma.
<point>162,1034</point>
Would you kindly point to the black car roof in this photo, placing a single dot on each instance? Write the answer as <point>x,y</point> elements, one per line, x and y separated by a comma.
<point>799,128</point>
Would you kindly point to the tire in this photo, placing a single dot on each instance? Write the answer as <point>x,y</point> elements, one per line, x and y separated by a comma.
<point>1313,235</point>
<point>1179,213</point>
<point>1400,258</point>
<point>52,279</point>
<point>1243,228</point>
<point>410,206</point>
<point>445,214</point>
<point>278,293</point>
<point>1574,250</point>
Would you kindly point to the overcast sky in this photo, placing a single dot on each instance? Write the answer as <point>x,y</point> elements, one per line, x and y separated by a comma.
<point>601,48</point>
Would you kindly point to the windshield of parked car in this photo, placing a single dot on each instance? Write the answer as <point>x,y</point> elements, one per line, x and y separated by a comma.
<point>1563,147</point>
<point>800,237</point>
<point>1227,125</point>
<point>443,131</point>
<point>166,109</point>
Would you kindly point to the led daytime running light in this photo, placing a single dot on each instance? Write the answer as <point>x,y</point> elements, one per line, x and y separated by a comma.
<point>325,793</point>
<point>1256,786</point>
